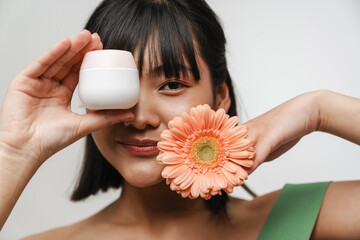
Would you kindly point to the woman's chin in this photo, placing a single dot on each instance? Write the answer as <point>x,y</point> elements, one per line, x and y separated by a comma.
<point>141,178</point>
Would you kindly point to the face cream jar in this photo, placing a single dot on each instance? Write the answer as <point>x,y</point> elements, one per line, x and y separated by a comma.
<point>109,79</point>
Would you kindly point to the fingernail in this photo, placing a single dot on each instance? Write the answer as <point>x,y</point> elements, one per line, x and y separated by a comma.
<point>129,116</point>
<point>96,34</point>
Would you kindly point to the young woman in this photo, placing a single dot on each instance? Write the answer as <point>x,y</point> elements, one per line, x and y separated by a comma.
<point>179,47</point>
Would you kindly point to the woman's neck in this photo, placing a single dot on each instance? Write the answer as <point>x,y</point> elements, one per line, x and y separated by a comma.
<point>151,205</point>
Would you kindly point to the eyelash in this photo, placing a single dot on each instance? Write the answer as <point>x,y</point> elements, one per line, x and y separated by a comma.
<point>173,83</point>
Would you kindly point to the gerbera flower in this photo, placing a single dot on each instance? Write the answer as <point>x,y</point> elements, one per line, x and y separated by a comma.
<point>205,152</point>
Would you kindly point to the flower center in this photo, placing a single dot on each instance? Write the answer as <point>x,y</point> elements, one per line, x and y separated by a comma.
<point>206,153</point>
<point>205,150</point>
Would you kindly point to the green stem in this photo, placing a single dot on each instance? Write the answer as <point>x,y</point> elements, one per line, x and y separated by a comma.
<point>248,190</point>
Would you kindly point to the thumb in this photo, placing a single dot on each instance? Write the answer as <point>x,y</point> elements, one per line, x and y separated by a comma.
<point>263,148</point>
<point>262,152</point>
<point>96,120</point>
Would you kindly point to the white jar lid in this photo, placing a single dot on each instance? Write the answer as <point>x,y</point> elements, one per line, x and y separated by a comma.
<point>108,58</point>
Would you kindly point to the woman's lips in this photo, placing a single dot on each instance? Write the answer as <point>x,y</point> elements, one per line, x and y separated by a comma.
<point>141,150</point>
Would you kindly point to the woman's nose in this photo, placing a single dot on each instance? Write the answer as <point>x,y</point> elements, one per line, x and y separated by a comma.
<point>146,113</point>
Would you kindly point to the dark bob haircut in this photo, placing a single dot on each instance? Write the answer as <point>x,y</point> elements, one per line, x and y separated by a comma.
<point>170,29</point>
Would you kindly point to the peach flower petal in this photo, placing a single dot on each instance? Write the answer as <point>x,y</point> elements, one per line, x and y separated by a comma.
<point>166,146</point>
<point>242,144</point>
<point>196,115</point>
<point>180,135</point>
<point>188,128</point>
<point>239,171</point>
<point>219,118</point>
<point>210,180</point>
<point>203,184</point>
<point>229,167</point>
<point>195,188</point>
<point>168,181</point>
<point>171,159</point>
<point>189,121</point>
<point>174,122</point>
<point>229,124</point>
<point>242,174</point>
<point>229,188</point>
<point>245,163</point>
<point>188,181</point>
<point>166,135</point>
<point>240,155</point>
<point>220,180</point>
<point>185,193</point>
<point>205,152</point>
<point>177,170</point>
<point>181,178</point>
<point>166,170</point>
<point>231,177</point>
<point>236,133</point>
<point>173,186</point>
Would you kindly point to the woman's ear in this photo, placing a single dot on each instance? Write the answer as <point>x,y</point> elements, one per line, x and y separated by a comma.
<point>222,97</point>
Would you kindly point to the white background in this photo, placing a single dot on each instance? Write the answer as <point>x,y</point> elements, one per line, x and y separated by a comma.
<point>276,50</point>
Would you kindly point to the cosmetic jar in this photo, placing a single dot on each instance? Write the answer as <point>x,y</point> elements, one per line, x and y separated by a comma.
<point>109,79</point>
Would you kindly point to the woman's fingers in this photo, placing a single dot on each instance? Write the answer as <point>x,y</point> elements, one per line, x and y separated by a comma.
<point>262,151</point>
<point>41,64</point>
<point>77,44</point>
<point>96,120</point>
<point>72,78</point>
<point>92,45</point>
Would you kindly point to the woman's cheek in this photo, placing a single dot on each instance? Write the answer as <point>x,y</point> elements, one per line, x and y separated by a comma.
<point>175,105</point>
<point>172,109</point>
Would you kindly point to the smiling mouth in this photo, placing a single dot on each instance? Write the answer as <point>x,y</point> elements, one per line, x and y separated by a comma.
<point>141,150</point>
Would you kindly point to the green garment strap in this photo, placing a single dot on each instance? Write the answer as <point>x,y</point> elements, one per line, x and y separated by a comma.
<point>295,212</point>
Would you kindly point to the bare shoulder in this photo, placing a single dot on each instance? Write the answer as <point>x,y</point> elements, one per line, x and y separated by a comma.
<point>64,232</point>
<point>339,216</point>
<point>250,216</point>
<point>69,232</point>
<point>88,228</point>
<point>260,207</point>
<point>264,202</point>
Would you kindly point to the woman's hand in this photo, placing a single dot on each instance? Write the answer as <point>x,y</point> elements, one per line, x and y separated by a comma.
<point>279,129</point>
<point>36,119</point>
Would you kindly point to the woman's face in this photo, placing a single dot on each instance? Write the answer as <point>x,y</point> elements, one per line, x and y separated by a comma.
<point>159,103</point>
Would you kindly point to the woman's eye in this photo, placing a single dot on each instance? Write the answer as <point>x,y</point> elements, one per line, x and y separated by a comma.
<point>173,86</point>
